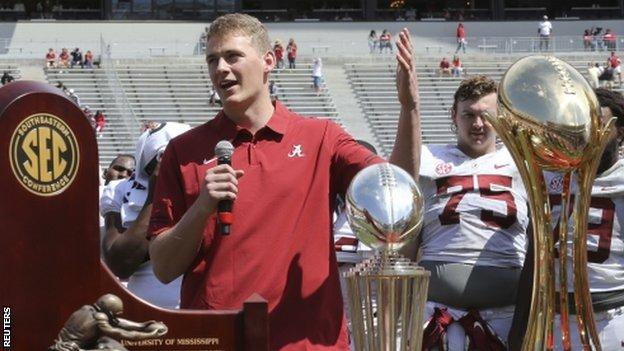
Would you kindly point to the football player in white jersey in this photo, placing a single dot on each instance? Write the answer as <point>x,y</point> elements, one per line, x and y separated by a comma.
<point>605,236</point>
<point>474,234</point>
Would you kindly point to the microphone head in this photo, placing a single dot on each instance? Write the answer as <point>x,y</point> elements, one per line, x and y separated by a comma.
<point>224,148</point>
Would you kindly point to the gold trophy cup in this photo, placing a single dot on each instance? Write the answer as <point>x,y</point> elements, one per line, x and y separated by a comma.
<point>549,119</point>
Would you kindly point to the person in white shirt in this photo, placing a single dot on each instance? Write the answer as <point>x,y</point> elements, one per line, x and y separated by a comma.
<point>593,72</point>
<point>544,30</point>
<point>126,206</point>
<point>317,74</point>
<point>473,239</point>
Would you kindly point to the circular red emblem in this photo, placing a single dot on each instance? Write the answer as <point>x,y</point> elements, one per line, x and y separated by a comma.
<point>444,168</point>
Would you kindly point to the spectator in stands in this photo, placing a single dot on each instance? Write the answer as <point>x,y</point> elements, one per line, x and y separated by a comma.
<point>100,123</point>
<point>72,95</point>
<point>615,64</point>
<point>89,115</point>
<point>273,91</point>
<point>372,41</point>
<point>445,67</point>
<point>278,49</point>
<point>202,41</point>
<point>297,273</point>
<point>291,49</point>
<point>606,77</point>
<point>544,30</point>
<point>121,167</point>
<point>456,69</point>
<point>609,40</point>
<point>51,58</point>
<point>6,78</point>
<point>76,58</point>
<point>461,38</point>
<point>64,58</point>
<point>587,40</point>
<point>214,98</point>
<point>593,71</point>
<point>385,41</point>
<point>126,206</point>
<point>88,59</point>
<point>597,43</point>
<point>317,74</point>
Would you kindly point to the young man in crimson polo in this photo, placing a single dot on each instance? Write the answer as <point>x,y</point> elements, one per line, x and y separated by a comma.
<point>286,171</point>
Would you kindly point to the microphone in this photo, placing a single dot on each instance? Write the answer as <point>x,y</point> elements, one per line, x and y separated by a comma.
<point>223,152</point>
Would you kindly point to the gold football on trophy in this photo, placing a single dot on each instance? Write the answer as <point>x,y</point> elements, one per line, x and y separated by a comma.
<point>553,101</point>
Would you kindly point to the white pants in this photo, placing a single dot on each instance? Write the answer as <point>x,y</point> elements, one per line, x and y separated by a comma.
<point>499,319</point>
<point>610,326</point>
<point>144,284</point>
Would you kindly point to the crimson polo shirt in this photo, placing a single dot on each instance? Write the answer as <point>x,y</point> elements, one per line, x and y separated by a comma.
<point>280,244</point>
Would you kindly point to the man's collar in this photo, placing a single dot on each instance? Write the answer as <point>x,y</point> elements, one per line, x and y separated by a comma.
<point>278,122</point>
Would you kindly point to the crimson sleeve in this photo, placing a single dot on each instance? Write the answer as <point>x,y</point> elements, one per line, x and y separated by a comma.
<point>348,157</point>
<point>168,204</point>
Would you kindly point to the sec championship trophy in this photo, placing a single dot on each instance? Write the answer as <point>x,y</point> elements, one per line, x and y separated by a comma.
<point>549,119</point>
<point>388,292</point>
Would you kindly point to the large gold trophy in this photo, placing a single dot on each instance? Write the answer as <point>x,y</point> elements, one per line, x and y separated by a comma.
<point>549,119</point>
<point>387,293</point>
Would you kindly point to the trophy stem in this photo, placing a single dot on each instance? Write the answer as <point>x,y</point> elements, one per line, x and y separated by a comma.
<point>582,296</point>
<point>564,312</point>
<point>539,334</point>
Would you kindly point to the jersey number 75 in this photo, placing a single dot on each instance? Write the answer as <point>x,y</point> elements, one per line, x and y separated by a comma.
<point>460,185</point>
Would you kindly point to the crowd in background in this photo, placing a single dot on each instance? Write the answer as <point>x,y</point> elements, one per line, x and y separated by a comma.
<point>68,59</point>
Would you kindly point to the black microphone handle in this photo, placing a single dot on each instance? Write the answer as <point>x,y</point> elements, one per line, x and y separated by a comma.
<point>224,205</point>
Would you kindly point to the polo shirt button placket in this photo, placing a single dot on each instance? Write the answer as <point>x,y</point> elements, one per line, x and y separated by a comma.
<point>253,159</point>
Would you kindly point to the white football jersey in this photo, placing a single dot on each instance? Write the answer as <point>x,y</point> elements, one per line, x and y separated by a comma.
<point>475,209</point>
<point>605,239</point>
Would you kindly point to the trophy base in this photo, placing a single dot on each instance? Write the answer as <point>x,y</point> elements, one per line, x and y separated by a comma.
<point>387,296</point>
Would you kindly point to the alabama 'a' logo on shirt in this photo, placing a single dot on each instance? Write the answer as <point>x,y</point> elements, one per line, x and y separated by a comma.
<point>297,151</point>
<point>444,168</point>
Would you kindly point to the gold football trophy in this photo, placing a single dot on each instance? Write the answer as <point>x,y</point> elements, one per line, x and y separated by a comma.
<point>388,292</point>
<point>549,119</point>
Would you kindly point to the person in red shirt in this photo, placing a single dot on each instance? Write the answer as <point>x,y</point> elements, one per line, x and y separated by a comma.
<point>286,171</point>
<point>615,63</point>
<point>445,67</point>
<point>88,59</point>
<point>457,67</point>
<point>609,39</point>
<point>292,53</point>
<point>100,123</point>
<point>64,58</point>
<point>461,38</point>
<point>385,41</point>
<point>278,49</point>
<point>50,58</point>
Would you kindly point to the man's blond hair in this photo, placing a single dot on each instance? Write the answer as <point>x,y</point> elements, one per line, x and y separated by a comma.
<point>241,24</point>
